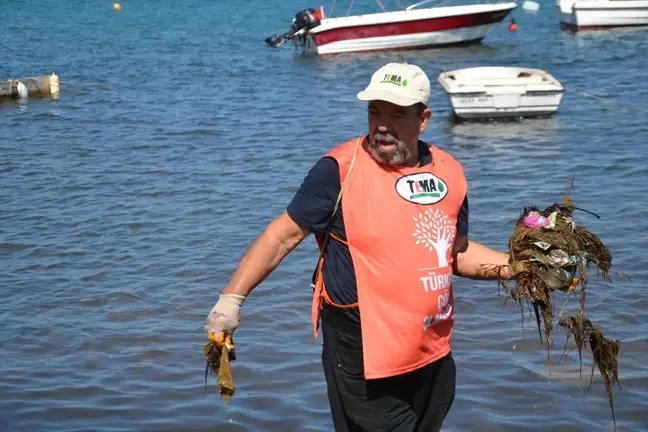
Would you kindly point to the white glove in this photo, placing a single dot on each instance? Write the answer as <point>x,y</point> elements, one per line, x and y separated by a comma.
<point>224,317</point>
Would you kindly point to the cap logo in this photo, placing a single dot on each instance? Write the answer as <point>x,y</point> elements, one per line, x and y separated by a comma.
<point>394,79</point>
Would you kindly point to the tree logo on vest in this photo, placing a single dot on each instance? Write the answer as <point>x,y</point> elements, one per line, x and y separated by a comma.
<point>436,232</point>
<point>422,188</point>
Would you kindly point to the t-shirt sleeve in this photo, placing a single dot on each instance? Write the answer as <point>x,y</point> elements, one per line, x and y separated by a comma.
<point>462,220</point>
<point>312,205</point>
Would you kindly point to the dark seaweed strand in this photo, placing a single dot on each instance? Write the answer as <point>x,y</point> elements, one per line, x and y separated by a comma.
<point>213,361</point>
<point>604,353</point>
<point>547,314</point>
<point>537,315</point>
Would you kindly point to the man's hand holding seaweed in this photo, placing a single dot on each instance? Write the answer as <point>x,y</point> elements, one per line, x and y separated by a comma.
<point>224,318</point>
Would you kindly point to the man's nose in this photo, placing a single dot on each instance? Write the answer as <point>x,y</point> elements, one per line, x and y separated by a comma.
<point>382,128</point>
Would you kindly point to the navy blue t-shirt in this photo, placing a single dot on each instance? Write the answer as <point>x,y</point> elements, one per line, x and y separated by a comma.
<point>311,208</point>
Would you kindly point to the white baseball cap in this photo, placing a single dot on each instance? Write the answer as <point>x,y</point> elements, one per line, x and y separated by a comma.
<point>399,83</point>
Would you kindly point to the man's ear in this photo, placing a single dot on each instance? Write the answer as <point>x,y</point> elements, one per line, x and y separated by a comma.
<point>425,119</point>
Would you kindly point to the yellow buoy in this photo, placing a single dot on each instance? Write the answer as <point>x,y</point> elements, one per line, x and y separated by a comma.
<point>116,6</point>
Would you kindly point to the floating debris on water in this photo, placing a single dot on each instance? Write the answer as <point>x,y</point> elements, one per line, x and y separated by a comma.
<point>23,88</point>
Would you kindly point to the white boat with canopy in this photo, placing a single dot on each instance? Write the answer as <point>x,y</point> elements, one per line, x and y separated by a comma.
<point>419,25</point>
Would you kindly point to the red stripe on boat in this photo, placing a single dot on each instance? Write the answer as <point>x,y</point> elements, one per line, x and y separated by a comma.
<point>409,27</point>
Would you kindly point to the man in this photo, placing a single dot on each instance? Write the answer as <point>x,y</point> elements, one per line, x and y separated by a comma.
<point>390,243</point>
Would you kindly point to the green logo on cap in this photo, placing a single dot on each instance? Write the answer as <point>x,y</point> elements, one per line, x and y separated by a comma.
<point>394,79</point>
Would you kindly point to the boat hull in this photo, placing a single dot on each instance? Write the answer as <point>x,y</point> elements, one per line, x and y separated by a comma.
<point>453,28</point>
<point>411,41</point>
<point>602,14</point>
<point>471,107</point>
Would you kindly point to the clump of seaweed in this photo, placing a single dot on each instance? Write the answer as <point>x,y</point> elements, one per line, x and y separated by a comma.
<point>551,253</point>
<point>218,364</point>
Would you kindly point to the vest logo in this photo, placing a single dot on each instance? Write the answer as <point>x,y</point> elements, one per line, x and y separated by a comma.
<point>422,188</point>
<point>394,79</point>
<point>436,232</point>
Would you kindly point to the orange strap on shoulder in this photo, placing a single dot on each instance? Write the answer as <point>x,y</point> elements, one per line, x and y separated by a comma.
<point>324,292</point>
<point>319,289</point>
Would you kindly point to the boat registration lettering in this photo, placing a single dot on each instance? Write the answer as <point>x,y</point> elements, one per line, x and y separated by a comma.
<point>472,100</point>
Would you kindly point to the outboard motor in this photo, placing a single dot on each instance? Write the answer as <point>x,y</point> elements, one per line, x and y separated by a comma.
<point>304,20</point>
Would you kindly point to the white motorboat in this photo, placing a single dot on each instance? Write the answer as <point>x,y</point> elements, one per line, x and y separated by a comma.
<point>602,14</point>
<point>499,91</point>
<point>414,27</point>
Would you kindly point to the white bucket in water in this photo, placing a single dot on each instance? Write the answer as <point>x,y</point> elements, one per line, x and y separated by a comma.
<point>55,85</point>
<point>22,91</point>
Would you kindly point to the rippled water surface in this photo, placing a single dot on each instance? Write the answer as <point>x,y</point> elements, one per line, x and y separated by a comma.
<point>126,204</point>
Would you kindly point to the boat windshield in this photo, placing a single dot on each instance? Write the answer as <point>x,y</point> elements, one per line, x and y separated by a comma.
<point>360,8</point>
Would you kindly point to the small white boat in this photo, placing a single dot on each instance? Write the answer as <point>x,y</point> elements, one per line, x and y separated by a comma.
<point>602,14</point>
<point>414,27</point>
<point>499,91</point>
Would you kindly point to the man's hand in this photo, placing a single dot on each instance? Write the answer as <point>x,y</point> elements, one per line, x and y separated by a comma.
<point>224,317</point>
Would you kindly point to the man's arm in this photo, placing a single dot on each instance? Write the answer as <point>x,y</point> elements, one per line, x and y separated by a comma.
<point>279,239</point>
<point>308,212</point>
<point>476,261</point>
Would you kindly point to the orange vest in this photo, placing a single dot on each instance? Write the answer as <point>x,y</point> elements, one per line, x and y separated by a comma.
<point>400,225</point>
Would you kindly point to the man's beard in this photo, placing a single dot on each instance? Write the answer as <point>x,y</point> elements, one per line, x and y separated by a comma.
<point>396,155</point>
